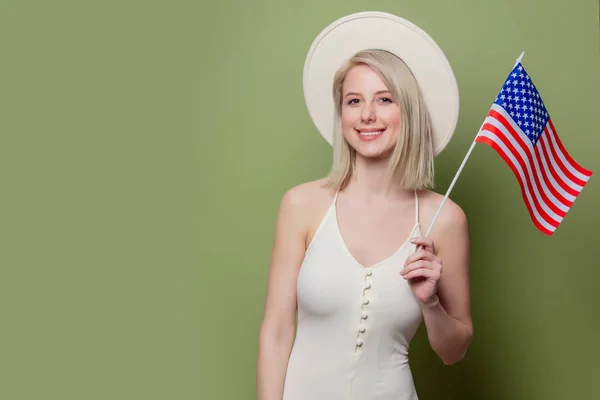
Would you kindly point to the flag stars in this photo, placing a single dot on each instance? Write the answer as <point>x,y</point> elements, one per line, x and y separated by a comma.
<point>521,101</point>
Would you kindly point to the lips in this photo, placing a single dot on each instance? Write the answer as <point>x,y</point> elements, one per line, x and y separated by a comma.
<point>370,134</point>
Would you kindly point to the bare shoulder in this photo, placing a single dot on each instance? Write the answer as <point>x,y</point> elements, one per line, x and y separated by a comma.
<point>307,195</point>
<point>451,221</point>
<point>308,202</point>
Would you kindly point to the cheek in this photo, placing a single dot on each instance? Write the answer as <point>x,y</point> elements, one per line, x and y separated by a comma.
<point>349,117</point>
<point>392,118</point>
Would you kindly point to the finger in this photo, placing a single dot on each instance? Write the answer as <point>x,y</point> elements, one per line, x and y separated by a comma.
<point>425,243</point>
<point>422,273</point>
<point>420,255</point>
<point>416,265</point>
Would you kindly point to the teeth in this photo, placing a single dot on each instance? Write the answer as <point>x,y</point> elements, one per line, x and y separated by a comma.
<point>370,133</point>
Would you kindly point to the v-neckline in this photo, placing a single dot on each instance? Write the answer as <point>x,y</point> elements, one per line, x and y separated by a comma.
<point>349,253</point>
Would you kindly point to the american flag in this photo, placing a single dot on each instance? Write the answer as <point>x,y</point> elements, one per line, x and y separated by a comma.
<point>520,130</point>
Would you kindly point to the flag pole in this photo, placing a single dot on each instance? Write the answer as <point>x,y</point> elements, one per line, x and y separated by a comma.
<point>461,168</point>
<point>452,184</point>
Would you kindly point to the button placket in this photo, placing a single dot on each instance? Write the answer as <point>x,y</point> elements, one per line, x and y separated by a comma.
<point>364,313</point>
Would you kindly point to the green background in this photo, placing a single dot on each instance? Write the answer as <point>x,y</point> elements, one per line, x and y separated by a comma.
<point>144,150</point>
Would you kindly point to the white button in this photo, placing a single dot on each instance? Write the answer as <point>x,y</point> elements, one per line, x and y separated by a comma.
<point>369,272</point>
<point>365,301</point>
<point>368,286</point>
<point>359,342</point>
<point>362,329</point>
<point>364,315</point>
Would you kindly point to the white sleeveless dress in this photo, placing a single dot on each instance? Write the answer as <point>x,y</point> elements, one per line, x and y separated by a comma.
<point>354,323</point>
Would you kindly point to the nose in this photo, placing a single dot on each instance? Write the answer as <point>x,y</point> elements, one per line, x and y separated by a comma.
<point>368,113</point>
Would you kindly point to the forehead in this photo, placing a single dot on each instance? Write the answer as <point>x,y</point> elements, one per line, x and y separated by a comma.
<point>362,78</point>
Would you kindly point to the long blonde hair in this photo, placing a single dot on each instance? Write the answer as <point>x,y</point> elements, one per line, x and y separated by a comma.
<point>411,162</point>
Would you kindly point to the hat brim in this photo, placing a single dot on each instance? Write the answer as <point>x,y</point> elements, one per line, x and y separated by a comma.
<point>378,30</point>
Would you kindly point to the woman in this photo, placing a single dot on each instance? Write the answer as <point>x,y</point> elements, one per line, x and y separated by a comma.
<point>349,254</point>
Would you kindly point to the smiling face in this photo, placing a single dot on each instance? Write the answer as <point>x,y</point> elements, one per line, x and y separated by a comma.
<point>370,117</point>
<point>380,115</point>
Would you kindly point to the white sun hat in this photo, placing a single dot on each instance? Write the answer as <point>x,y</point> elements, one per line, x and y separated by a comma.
<point>378,30</point>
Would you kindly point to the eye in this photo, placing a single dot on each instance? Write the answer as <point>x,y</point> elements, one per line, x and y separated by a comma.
<point>386,100</point>
<point>352,101</point>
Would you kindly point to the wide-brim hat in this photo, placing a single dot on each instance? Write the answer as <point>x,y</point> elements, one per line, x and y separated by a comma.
<point>378,30</point>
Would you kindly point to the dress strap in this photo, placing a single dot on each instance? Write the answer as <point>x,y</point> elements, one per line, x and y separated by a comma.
<point>416,208</point>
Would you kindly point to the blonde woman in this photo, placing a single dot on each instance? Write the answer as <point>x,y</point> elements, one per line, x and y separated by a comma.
<point>350,259</point>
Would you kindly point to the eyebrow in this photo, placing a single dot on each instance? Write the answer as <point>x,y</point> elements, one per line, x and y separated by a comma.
<point>358,94</point>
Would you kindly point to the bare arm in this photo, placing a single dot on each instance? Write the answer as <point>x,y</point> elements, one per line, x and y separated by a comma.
<point>448,316</point>
<point>277,329</point>
<point>438,274</point>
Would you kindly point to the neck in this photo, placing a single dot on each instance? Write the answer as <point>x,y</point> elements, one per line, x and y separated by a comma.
<point>369,179</point>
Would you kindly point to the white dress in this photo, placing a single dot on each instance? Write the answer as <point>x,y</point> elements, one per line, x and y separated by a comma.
<point>354,323</point>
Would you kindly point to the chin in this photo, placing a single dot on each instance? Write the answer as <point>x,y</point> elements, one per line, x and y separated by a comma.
<point>372,150</point>
<point>374,155</point>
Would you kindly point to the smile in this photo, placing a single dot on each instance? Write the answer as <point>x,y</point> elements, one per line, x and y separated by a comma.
<point>370,134</point>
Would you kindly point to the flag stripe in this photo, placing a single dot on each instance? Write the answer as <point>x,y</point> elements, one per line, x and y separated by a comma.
<point>560,193</point>
<point>538,221</point>
<point>507,128</point>
<point>541,211</point>
<point>560,177</point>
<point>563,192</point>
<point>547,161</point>
<point>575,168</point>
<point>552,213</point>
<point>562,167</point>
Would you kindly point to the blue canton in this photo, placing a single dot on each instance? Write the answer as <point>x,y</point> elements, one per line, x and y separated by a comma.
<point>523,103</point>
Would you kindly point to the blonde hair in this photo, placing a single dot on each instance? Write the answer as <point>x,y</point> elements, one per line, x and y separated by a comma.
<point>411,162</point>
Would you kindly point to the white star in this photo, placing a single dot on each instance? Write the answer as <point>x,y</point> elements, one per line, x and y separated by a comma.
<point>503,97</point>
<point>527,124</point>
<point>514,74</point>
<point>518,107</point>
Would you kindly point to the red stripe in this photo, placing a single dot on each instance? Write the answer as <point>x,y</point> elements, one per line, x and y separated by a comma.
<point>527,151</point>
<point>550,185</point>
<point>489,142</point>
<point>560,163</point>
<point>558,179</point>
<point>542,168</point>
<point>578,167</point>
<point>536,198</point>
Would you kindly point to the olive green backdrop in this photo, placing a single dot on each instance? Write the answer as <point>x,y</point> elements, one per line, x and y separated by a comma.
<point>145,147</point>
